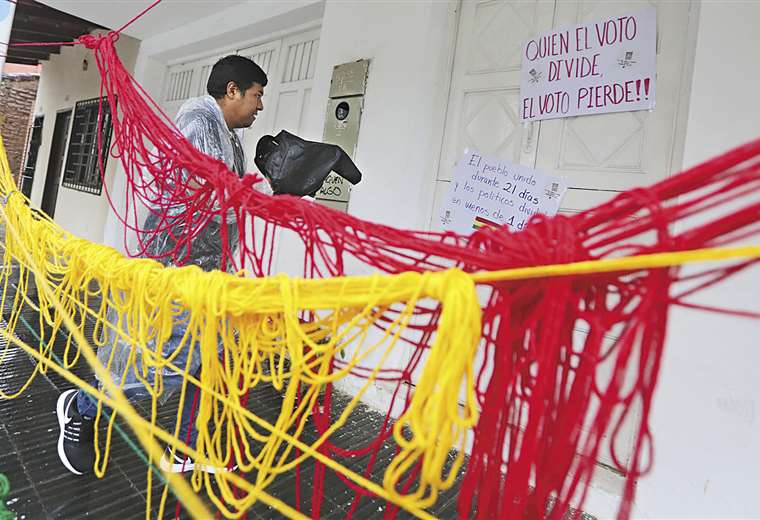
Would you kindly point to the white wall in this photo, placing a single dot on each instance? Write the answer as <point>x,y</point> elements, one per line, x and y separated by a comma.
<point>407,90</point>
<point>62,84</point>
<point>166,15</point>
<point>232,27</point>
<point>706,420</point>
<point>404,107</point>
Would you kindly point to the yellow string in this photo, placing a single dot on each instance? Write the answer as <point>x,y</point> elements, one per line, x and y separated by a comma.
<point>366,483</point>
<point>257,321</point>
<point>308,450</point>
<point>194,504</point>
<point>265,316</point>
<point>629,263</point>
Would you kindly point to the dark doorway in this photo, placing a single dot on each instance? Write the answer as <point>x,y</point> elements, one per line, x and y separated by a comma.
<point>27,178</point>
<point>55,163</point>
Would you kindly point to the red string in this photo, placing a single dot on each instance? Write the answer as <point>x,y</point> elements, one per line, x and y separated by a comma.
<point>137,16</point>
<point>545,409</point>
<point>42,44</point>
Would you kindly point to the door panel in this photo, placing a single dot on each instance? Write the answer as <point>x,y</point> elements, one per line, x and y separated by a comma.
<point>266,56</point>
<point>623,150</point>
<point>289,63</point>
<point>485,86</point>
<point>287,112</point>
<point>483,101</point>
<point>181,83</point>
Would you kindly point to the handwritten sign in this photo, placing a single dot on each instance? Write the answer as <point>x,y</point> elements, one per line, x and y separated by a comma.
<point>334,188</point>
<point>592,68</point>
<point>488,192</point>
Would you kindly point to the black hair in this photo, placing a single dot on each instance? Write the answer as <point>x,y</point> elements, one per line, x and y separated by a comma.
<point>238,69</point>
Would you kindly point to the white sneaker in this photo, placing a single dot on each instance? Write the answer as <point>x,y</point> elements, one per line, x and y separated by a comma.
<point>179,463</point>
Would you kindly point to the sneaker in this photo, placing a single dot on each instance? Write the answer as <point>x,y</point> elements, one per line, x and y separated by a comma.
<point>75,442</point>
<point>180,463</point>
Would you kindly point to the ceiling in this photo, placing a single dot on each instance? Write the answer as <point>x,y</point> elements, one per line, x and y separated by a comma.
<point>36,22</point>
<point>167,15</point>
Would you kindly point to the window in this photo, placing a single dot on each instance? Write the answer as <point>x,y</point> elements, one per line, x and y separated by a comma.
<point>82,171</point>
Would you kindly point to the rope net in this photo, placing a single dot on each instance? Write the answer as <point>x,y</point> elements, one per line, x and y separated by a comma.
<point>535,373</point>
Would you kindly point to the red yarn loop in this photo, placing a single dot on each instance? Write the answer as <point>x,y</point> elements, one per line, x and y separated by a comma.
<point>96,41</point>
<point>547,412</point>
<point>91,41</point>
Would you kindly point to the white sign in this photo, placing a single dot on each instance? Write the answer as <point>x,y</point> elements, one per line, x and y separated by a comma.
<point>488,192</point>
<point>592,68</point>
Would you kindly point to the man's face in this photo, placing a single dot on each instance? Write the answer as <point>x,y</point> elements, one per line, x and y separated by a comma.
<point>247,105</point>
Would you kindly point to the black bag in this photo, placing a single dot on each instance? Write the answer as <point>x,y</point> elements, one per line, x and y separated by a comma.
<point>298,167</point>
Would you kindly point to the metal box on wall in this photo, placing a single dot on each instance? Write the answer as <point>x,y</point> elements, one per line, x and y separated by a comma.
<point>344,111</point>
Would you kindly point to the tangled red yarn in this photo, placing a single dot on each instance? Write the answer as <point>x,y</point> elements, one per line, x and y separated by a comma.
<point>566,362</point>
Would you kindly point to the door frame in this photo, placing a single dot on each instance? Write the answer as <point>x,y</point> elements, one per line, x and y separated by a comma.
<point>439,131</point>
<point>50,190</point>
<point>33,148</point>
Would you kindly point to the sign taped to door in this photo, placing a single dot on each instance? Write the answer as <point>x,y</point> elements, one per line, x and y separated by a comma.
<point>488,192</point>
<point>595,67</point>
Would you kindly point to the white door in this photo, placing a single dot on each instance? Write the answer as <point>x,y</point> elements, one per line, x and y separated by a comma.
<point>266,56</point>
<point>188,79</point>
<point>484,97</point>
<point>485,85</point>
<point>289,64</point>
<point>185,80</point>
<point>604,154</point>
<point>600,155</point>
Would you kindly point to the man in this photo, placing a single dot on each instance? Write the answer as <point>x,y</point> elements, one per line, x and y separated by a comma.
<point>235,90</point>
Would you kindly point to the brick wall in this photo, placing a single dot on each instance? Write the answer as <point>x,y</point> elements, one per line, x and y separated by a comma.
<point>17,94</point>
